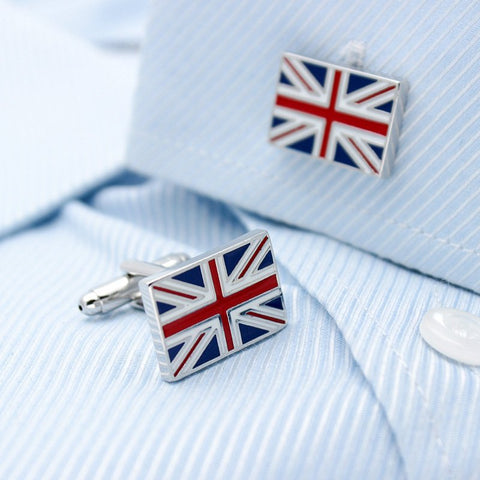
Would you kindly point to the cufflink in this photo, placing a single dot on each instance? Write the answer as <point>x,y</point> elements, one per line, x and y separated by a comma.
<point>203,309</point>
<point>338,114</point>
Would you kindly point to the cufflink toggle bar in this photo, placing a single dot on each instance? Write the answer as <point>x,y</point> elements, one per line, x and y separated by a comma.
<point>124,289</point>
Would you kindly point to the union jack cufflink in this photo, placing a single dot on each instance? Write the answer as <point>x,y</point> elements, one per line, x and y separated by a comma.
<point>338,114</point>
<point>204,309</point>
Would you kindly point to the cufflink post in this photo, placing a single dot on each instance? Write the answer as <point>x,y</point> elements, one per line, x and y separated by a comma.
<point>354,54</point>
<point>124,289</point>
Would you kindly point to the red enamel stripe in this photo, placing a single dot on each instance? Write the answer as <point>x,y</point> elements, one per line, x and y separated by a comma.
<point>363,155</point>
<point>252,258</point>
<point>296,129</point>
<point>385,90</point>
<point>174,292</point>
<point>331,110</point>
<point>346,118</point>
<point>295,71</point>
<point>221,305</point>
<point>330,114</point>
<point>189,354</point>
<point>265,317</point>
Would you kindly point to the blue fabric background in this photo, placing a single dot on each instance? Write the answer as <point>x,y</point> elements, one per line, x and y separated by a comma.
<point>205,98</point>
<point>347,390</point>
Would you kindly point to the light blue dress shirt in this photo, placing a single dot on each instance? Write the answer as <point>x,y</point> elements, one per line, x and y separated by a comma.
<point>207,88</point>
<point>347,390</point>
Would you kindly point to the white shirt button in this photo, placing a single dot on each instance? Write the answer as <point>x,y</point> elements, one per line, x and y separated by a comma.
<point>454,333</point>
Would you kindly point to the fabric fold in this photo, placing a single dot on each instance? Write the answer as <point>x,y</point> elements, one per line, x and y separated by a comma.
<point>378,306</point>
<point>88,391</point>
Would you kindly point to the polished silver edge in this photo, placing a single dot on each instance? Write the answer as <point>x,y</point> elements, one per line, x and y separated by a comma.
<point>156,329</point>
<point>393,136</point>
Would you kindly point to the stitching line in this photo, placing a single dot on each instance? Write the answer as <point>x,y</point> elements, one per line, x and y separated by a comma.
<point>367,380</point>
<point>229,161</point>
<point>403,363</point>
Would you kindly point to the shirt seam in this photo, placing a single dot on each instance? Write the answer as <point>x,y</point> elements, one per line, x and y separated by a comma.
<point>401,224</point>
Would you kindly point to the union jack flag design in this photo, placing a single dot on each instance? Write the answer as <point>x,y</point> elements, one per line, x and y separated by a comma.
<point>337,114</point>
<point>214,305</point>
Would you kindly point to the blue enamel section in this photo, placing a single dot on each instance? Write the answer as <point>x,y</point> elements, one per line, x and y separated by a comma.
<point>276,302</point>
<point>342,156</point>
<point>172,352</point>
<point>284,79</point>
<point>267,261</point>
<point>249,333</point>
<point>232,258</point>
<point>356,82</point>
<point>304,145</point>
<point>319,72</point>
<point>193,276</point>
<point>378,150</point>
<point>164,307</point>
<point>277,121</point>
<point>211,351</point>
<point>386,107</point>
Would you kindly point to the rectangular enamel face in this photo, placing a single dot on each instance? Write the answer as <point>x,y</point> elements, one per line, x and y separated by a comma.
<point>214,305</point>
<point>337,114</point>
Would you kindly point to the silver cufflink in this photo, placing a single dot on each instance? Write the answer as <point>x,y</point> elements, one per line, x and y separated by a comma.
<point>338,114</point>
<point>203,309</point>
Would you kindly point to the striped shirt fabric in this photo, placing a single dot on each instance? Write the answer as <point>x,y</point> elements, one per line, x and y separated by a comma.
<point>348,389</point>
<point>207,90</point>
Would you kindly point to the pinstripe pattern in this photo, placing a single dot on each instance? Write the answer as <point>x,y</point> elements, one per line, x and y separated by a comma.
<point>348,390</point>
<point>216,81</point>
